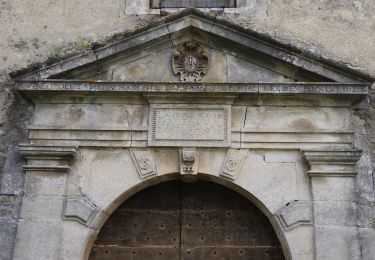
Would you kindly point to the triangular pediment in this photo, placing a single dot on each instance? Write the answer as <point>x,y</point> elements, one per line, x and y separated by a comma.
<point>234,54</point>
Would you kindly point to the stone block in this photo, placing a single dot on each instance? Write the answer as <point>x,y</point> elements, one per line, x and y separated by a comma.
<point>295,213</point>
<point>8,230</point>
<point>259,178</point>
<point>12,177</point>
<point>341,213</point>
<point>37,239</point>
<point>218,71</point>
<point>336,242</point>
<point>297,119</point>
<point>91,116</point>
<point>366,241</point>
<point>211,161</point>
<point>303,182</point>
<point>166,160</point>
<point>238,117</point>
<point>282,156</point>
<point>303,257</point>
<point>301,242</point>
<point>106,174</point>
<point>158,68</point>
<point>176,28</point>
<point>332,188</point>
<point>41,207</point>
<point>9,207</point>
<point>73,240</point>
<point>240,70</point>
<point>45,183</point>
<point>80,209</point>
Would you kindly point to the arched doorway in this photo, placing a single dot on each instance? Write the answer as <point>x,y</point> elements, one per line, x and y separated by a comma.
<point>177,220</point>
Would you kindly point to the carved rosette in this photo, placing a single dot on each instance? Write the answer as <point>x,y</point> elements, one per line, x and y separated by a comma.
<point>190,61</point>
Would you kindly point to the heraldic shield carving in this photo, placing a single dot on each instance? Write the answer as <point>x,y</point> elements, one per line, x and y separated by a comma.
<point>190,61</point>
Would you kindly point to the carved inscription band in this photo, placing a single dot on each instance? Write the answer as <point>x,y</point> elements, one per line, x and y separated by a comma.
<point>167,87</point>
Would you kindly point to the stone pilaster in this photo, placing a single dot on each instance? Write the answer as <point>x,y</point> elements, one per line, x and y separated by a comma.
<point>40,225</point>
<point>332,180</point>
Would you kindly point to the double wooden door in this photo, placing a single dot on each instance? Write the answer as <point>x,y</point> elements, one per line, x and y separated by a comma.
<point>176,220</point>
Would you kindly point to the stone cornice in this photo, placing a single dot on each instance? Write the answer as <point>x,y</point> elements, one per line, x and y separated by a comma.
<point>47,158</point>
<point>77,86</point>
<point>340,163</point>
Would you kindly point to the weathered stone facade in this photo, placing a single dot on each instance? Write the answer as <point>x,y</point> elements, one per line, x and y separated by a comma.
<point>262,140</point>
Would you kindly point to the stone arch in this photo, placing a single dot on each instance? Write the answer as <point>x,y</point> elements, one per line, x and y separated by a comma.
<point>144,184</point>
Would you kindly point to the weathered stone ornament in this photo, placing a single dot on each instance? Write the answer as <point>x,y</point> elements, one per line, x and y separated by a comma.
<point>145,163</point>
<point>232,164</point>
<point>190,61</point>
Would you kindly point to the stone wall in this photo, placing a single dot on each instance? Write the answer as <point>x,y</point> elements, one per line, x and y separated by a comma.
<point>35,31</point>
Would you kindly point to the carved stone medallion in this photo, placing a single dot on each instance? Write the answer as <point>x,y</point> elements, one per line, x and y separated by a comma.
<point>190,61</point>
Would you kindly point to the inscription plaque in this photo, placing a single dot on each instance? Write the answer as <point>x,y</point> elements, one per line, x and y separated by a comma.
<point>189,125</point>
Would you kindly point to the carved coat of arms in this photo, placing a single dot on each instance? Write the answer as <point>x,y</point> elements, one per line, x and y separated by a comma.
<point>190,61</point>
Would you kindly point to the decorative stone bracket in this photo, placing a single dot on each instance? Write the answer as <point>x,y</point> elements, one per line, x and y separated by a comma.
<point>47,158</point>
<point>189,164</point>
<point>80,209</point>
<point>332,163</point>
<point>294,214</point>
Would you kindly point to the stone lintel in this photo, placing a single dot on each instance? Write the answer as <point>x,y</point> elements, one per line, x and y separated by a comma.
<point>47,158</point>
<point>340,163</point>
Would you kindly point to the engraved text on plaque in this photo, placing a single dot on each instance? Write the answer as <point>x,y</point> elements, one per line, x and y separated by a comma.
<point>193,125</point>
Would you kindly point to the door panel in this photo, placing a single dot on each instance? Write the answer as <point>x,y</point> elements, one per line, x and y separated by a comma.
<point>218,223</point>
<point>147,226</point>
<point>175,220</point>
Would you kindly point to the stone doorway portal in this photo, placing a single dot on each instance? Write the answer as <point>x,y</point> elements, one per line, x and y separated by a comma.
<point>178,220</point>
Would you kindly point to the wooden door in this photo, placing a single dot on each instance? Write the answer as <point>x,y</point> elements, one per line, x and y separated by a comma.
<point>176,220</point>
